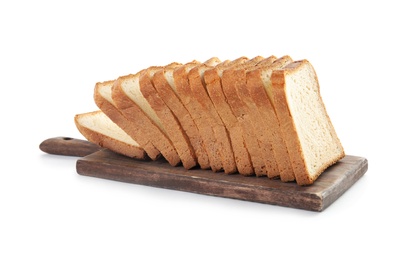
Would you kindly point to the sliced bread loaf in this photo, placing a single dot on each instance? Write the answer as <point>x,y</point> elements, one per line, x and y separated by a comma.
<point>103,99</point>
<point>258,116</point>
<point>97,128</point>
<point>311,139</point>
<point>260,90</point>
<point>127,95</point>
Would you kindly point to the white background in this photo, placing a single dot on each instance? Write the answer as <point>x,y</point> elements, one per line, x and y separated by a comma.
<point>52,53</point>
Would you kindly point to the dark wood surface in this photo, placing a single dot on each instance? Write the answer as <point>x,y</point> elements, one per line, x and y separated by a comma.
<point>68,146</point>
<point>316,197</point>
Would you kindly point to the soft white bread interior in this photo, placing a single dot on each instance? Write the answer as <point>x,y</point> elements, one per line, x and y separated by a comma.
<point>103,99</point>
<point>168,89</point>
<point>311,139</point>
<point>129,99</point>
<point>167,119</point>
<point>97,128</point>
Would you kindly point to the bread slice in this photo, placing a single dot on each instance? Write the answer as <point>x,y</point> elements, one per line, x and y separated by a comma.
<point>129,99</point>
<point>311,139</point>
<point>97,128</point>
<point>212,79</point>
<point>103,99</point>
<point>167,119</point>
<point>210,126</point>
<point>172,86</point>
<point>245,109</point>
<point>235,78</point>
<point>260,90</point>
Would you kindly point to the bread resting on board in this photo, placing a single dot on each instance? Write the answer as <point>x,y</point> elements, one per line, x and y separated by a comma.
<point>258,116</point>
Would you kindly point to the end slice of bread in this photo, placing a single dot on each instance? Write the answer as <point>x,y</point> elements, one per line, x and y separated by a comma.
<point>313,144</point>
<point>103,99</point>
<point>97,128</point>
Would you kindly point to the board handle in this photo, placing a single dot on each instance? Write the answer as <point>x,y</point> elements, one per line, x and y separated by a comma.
<point>68,146</point>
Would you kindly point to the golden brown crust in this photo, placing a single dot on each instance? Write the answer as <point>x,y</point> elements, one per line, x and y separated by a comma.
<point>269,119</point>
<point>139,119</point>
<point>108,142</point>
<point>184,108</point>
<point>214,89</point>
<point>234,78</point>
<point>173,128</point>
<point>254,120</point>
<point>118,118</point>
<point>211,127</point>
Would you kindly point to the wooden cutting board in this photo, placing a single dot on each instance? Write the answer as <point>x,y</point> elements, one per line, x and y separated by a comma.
<point>103,163</point>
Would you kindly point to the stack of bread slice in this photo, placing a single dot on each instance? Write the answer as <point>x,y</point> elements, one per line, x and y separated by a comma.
<point>258,116</point>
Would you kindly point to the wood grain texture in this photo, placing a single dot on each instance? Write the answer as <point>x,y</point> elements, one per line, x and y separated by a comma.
<point>316,197</point>
<point>68,146</point>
